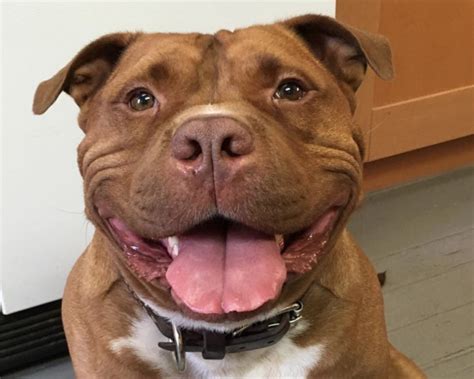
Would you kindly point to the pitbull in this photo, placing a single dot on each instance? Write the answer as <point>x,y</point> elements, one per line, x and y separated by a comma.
<point>220,171</point>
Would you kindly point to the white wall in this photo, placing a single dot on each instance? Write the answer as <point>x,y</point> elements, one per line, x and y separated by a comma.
<point>43,228</point>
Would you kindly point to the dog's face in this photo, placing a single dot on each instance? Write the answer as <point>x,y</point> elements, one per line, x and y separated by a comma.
<point>221,167</point>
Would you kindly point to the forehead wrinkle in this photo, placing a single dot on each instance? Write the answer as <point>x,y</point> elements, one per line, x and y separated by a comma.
<point>153,65</point>
<point>270,64</point>
<point>160,59</point>
<point>151,70</point>
<point>159,70</point>
<point>274,40</point>
<point>155,72</point>
<point>157,48</point>
<point>128,72</point>
<point>264,64</point>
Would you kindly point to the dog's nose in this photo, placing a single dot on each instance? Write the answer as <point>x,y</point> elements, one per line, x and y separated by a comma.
<point>217,143</point>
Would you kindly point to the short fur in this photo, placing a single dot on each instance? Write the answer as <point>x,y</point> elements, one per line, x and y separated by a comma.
<point>305,155</point>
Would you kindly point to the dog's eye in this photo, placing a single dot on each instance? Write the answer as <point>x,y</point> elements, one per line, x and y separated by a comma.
<point>141,100</point>
<point>290,90</point>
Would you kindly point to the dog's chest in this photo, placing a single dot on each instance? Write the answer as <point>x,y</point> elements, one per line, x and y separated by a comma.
<point>283,360</point>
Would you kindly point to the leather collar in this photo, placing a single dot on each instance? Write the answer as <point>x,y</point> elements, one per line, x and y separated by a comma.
<point>215,345</point>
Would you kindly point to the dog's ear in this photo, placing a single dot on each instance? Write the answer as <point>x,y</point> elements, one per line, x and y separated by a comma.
<point>86,72</point>
<point>344,50</point>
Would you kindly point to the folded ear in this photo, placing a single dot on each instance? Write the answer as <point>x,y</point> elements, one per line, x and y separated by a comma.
<point>344,50</point>
<point>87,71</point>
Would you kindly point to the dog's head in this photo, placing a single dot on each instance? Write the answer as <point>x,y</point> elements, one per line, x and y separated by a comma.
<point>221,167</point>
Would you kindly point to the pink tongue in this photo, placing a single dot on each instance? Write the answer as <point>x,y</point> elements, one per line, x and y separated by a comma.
<point>220,270</point>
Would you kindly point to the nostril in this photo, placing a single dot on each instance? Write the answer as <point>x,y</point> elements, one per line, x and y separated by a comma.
<point>195,150</point>
<point>237,145</point>
<point>228,147</point>
<point>185,148</point>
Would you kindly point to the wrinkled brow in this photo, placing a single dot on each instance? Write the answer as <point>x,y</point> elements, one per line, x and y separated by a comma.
<point>155,72</point>
<point>267,66</point>
<point>270,65</point>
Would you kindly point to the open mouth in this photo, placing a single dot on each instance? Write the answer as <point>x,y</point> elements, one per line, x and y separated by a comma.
<point>221,266</point>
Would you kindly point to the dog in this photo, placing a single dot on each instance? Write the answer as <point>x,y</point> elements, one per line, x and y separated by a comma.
<point>220,171</point>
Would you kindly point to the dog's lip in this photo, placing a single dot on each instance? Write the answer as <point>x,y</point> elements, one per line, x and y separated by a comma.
<point>288,243</point>
<point>303,249</point>
<point>339,203</point>
<point>149,259</point>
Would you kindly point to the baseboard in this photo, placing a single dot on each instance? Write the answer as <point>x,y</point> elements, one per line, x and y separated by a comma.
<point>31,336</point>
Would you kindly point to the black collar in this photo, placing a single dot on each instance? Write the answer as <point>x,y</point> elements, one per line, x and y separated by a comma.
<point>215,345</point>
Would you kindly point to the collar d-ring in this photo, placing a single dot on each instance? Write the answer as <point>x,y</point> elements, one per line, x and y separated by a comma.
<point>179,354</point>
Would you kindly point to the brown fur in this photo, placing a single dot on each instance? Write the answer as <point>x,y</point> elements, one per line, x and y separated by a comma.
<point>305,155</point>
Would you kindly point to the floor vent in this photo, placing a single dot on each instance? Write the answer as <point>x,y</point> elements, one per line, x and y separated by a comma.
<point>31,336</point>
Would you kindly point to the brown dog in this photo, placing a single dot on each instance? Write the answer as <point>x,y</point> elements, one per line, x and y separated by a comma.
<point>220,171</point>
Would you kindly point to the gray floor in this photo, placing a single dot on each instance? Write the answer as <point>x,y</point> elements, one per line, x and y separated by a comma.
<point>422,235</point>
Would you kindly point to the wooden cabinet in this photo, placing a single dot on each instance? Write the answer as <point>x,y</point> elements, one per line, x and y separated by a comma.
<point>431,100</point>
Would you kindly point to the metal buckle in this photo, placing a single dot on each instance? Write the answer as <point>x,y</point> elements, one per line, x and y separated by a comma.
<point>179,353</point>
<point>295,313</point>
<point>294,310</point>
